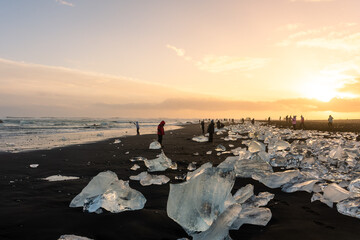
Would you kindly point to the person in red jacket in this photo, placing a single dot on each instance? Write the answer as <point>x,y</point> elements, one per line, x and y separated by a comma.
<point>160,132</point>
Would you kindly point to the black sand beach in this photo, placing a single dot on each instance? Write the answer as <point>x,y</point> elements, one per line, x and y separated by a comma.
<point>31,208</point>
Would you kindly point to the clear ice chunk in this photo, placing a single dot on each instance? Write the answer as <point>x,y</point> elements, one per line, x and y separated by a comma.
<point>258,201</point>
<point>198,171</point>
<point>255,216</point>
<point>117,141</point>
<point>247,167</point>
<point>106,191</point>
<point>256,146</point>
<point>73,237</point>
<point>147,179</point>
<point>135,167</point>
<point>196,203</point>
<point>155,145</point>
<point>219,230</point>
<point>34,165</point>
<point>200,138</point>
<point>349,207</point>
<point>208,152</point>
<point>275,180</point>
<point>159,164</point>
<point>307,186</point>
<point>335,193</point>
<point>244,193</point>
<point>56,178</point>
<point>220,148</point>
<point>337,153</point>
<point>354,186</point>
<point>191,167</point>
<point>281,145</point>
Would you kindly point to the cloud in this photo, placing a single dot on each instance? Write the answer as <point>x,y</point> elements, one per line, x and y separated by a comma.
<point>342,37</point>
<point>62,2</point>
<point>220,64</point>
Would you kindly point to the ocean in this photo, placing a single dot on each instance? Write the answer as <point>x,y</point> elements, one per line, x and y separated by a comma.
<point>26,134</point>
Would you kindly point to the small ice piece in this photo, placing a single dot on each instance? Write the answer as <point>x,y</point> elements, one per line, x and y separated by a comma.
<point>208,152</point>
<point>180,177</point>
<point>318,196</point>
<point>196,154</point>
<point>159,164</point>
<point>196,203</point>
<point>281,145</point>
<point>354,186</point>
<point>220,148</point>
<point>244,193</point>
<point>231,145</point>
<point>301,186</point>
<point>147,179</point>
<point>337,153</point>
<point>56,178</point>
<point>247,167</point>
<point>229,163</point>
<point>349,207</point>
<point>275,180</point>
<point>106,191</point>
<point>220,227</point>
<point>155,145</point>
<point>200,138</point>
<point>135,167</point>
<point>255,216</point>
<point>218,154</point>
<point>191,166</point>
<point>137,159</point>
<point>73,237</point>
<point>34,165</point>
<point>198,171</point>
<point>117,141</point>
<point>260,200</point>
<point>256,146</point>
<point>335,193</point>
<point>127,153</point>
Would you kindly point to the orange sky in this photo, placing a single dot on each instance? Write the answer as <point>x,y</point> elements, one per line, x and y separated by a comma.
<point>180,59</point>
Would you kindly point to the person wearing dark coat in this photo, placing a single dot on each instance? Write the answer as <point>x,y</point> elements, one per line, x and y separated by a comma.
<point>203,127</point>
<point>160,132</point>
<point>210,130</point>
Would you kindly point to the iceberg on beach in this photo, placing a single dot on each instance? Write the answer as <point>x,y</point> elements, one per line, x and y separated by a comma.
<point>160,164</point>
<point>56,178</point>
<point>275,180</point>
<point>73,237</point>
<point>200,138</point>
<point>349,207</point>
<point>155,145</point>
<point>106,191</point>
<point>147,179</point>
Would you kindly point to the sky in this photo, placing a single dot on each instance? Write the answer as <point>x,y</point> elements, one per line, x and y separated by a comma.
<point>180,59</point>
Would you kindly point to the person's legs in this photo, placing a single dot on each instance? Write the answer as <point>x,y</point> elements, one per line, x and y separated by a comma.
<point>138,131</point>
<point>160,139</point>
<point>210,137</point>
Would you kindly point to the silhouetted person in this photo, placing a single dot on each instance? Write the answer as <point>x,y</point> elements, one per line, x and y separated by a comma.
<point>253,121</point>
<point>302,122</point>
<point>203,127</point>
<point>210,130</point>
<point>269,120</point>
<point>293,121</point>
<point>280,118</point>
<point>287,118</point>
<point>137,127</point>
<point>242,120</point>
<point>218,124</point>
<point>330,121</point>
<point>160,132</point>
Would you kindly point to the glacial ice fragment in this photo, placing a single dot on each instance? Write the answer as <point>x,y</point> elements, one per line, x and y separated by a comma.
<point>354,186</point>
<point>244,193</point>
<point>349,207</point>
<point>275,180</point>
<point>220,148</point>
<point>155,145</point>
<point>247,167</point>
<point>34,165</point>
<point>56,178</point>
<point>73,237</point>
<point>117,141</point>
<point>255,216</point>
<point>200,138</point>
<point>335,193</point>
<point>307,186</point>
<point>198,171</point>
<point>191,166</point>
<point>160,164</point>
<point>106,191</point>
<point>337,153</point>
<point>208,152</point>
<point>256,146</point>
<point>147,179</point>
<point>196,203</point>
<point>219,229</point>
<point>135,167</point>
<point>281,145</point>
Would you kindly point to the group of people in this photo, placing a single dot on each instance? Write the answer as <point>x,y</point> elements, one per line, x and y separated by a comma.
<point>292,120</point>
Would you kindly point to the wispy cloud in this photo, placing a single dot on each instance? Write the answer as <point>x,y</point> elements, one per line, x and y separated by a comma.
<point>63,2</point>
<point>219,64</point>
<point>344,37</point>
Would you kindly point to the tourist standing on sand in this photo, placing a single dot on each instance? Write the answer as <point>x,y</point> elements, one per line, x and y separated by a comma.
<point>203,126</point>
<point>160,132</point>
<point>330,121</point>
<point>137,127</point>
<point>253,121</point>
<point>293,121</point>
<point>210,130</point>
<point>302,122</point>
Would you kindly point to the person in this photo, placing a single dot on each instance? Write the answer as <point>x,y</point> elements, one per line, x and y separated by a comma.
<point>330,121</point>
<point>293,121</point>
<point>210,130</point>
<point>253,121</point>
<point>160,132</point>
<point>203,127</point>
<point>137,127</point>
<point>280,118</point>
<point>287,118</point>
<point>269,120</point>
<point>218,124</point>
<point>242,120</point>
<point>302,121</point>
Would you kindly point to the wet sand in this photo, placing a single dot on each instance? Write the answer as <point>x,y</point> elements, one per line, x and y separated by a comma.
<point>35,209</point>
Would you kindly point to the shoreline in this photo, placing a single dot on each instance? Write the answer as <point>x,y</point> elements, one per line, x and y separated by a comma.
<point>40,210</point>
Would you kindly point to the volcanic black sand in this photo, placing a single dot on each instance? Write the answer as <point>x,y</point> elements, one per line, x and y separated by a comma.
<point>31,208</point>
